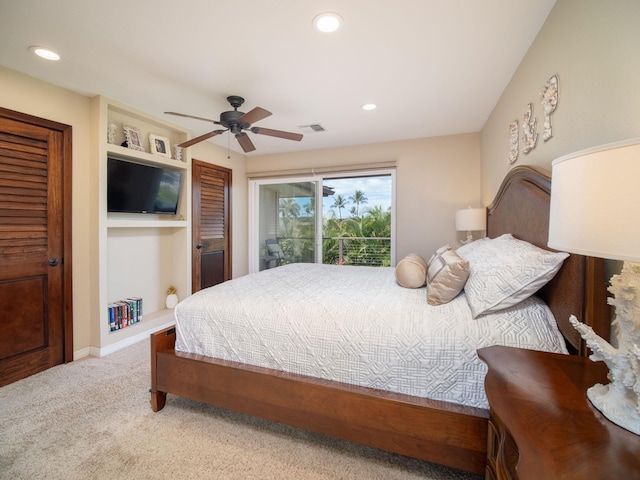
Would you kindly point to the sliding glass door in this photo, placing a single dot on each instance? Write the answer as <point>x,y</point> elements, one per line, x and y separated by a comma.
<point>345,219</point>
<point>287,222</point>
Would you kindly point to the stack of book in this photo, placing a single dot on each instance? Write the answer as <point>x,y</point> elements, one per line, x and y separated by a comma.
<point>124,313</point>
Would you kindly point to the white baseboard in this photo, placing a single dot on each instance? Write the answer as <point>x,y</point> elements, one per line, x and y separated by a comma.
<point>83,352</point>
<point>114,347</point>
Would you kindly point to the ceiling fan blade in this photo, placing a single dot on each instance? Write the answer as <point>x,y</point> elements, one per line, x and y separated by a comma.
<point>245,142</point>
<point>191,116</point>
<point>254,115</point>
<point>277,133</point>
<point>201,138</point>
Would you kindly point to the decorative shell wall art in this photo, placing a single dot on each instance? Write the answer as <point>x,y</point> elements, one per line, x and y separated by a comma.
<point>514,144</point>
<point>529,135</point>
<point>549,104</point>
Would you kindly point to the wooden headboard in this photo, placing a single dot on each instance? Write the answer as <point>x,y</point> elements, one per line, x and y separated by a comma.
<point>521,207</point>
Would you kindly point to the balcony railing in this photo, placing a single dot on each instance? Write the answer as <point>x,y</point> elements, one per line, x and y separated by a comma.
<point>371,251</point>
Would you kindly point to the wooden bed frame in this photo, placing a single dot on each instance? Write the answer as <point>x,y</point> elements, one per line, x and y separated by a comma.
<point>434,431</point>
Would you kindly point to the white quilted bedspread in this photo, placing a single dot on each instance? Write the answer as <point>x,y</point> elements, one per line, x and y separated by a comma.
<point>357,325</point>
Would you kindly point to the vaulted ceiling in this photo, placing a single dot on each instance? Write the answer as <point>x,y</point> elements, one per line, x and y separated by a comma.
<point>433,67</point>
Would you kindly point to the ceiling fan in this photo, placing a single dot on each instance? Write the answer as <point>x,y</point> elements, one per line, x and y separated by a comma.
<point>236,122</point>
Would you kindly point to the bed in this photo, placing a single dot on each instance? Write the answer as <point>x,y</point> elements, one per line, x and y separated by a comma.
<point>451,430</point>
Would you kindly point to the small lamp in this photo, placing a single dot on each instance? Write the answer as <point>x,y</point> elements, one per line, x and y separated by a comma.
<point>595,200</point>
<point>471,220</point>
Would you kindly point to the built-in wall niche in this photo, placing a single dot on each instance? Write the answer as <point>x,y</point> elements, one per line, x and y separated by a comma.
<point>139,254</point>
<point>118,118</point>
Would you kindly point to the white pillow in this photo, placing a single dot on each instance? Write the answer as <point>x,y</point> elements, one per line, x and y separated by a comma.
<point>411,271</point>
<point>505,271</point>
<point>464,250</point>
<point>447,273</point>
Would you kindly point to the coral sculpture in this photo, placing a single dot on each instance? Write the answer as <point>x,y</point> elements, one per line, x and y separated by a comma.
<point>619,401</point>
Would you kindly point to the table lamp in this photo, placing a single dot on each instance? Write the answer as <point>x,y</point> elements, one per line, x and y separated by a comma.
<point>471,220</point>
<point>595,211</point>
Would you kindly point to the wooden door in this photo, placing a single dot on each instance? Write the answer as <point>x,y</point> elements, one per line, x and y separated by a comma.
<point>35,245</point>
<point>211,226</point>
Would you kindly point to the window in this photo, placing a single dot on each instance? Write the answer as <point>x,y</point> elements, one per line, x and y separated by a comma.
<point>354,226</point>
<point>356,223</point>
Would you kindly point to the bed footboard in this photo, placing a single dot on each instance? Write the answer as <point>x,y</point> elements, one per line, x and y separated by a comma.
<point>162,341</point>
<point>439,432</point>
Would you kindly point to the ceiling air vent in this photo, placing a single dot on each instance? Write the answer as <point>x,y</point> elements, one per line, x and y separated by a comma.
<point>313,128</point>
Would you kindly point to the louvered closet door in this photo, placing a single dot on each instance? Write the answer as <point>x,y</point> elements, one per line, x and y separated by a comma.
<point>211,210</point>
<point>31,250</point>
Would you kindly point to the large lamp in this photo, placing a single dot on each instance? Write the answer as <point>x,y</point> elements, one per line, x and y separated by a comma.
<point>595,211</point>
<point>471,220</point>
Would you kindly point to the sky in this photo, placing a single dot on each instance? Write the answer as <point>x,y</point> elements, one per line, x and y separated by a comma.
<point>377,191</point>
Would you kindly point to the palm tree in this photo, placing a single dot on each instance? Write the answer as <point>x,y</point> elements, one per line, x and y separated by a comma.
<point>289,208</point>
<point>310,207</point>
<point>378,222</point>
<point>358,198</point>
<point>339,202</point>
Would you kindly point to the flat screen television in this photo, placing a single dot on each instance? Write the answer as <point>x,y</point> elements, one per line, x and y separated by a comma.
<point>136,188</point>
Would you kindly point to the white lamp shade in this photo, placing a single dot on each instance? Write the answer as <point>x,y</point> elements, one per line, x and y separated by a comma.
<point>471,219</point>
<point>595,202</point>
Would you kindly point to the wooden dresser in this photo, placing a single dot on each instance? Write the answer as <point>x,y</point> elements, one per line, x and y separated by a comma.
<point>542,425</point>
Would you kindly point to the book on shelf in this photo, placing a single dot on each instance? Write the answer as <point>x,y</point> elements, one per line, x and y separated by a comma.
<point>124,313</point>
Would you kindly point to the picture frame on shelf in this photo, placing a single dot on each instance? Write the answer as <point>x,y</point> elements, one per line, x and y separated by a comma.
<point>133,139</point>
<point>159,145</point>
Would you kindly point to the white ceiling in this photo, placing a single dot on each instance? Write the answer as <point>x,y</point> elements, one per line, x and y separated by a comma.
<point>433,67</point>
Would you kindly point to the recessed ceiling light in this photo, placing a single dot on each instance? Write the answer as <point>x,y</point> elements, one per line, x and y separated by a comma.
<point>44,53</point>
<point>369,106</point>
<point>327,22</point>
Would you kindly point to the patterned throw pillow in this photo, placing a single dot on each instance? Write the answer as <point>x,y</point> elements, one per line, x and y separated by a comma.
<point>447,273</point>
<point>504,271</point>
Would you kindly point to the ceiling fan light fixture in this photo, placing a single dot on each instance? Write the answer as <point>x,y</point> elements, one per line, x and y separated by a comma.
<point>327,22</point>
<point>45,53</point>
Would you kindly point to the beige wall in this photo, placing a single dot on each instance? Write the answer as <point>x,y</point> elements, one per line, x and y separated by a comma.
<point>28,95</point>
<point>434,178</point>
<point>592,45</point>
<point>25,94</point>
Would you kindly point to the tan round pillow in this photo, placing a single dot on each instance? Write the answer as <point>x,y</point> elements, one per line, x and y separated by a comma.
<point>411,271</point>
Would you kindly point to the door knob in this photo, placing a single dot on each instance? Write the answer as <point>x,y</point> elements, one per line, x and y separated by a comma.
<point>53,262</point>
<point>199,246</point>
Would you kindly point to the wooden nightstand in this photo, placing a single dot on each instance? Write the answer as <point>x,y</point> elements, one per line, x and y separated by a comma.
<point>542,425</point>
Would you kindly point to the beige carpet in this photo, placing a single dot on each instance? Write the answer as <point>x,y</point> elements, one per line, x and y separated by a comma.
<point>91,419</point>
